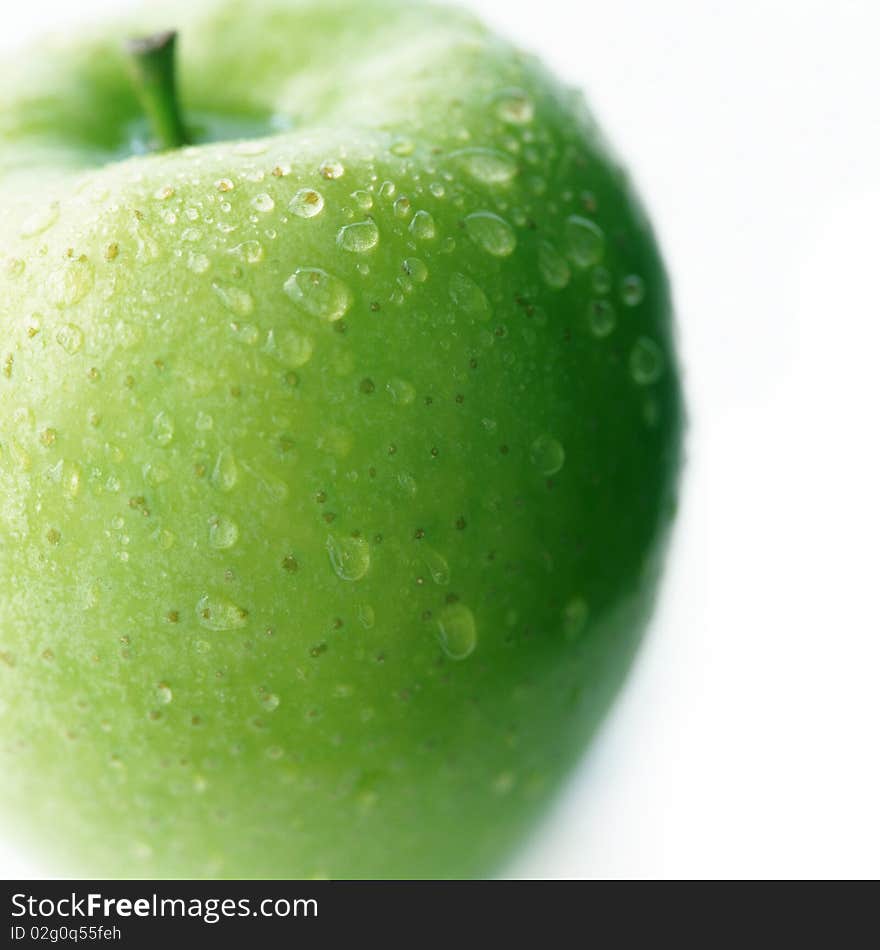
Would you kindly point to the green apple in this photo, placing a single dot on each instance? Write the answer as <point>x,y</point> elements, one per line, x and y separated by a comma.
<point>338,447</point>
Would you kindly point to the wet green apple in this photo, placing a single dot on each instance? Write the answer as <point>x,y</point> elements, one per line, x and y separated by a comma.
<point>338,444</point>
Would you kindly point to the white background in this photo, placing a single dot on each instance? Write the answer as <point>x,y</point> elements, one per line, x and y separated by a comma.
<point>746,740</point>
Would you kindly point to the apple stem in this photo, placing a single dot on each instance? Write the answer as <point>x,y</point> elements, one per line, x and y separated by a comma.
<point>152,66</point>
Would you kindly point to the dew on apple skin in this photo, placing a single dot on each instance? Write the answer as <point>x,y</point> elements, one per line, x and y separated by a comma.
<point>198,263</point>
<point>164,695</point>
<point>415,269</point>
<point>601,318</point>
<point>586,241</point>
<point>408,483</point>
<point>402,393</point>
<point>491,232</point>
<point>293,348</point>
<point>422,226</point>
<point>600,280</point>
<point>224,184</point>
<point>366,615</point>
<point>349,556</point>
<point>486,165</point>
<point>438,566</point>
<point>222,533</point>
<point>359,237</point>
<point>363,198</point>
<point>263,202</point>
<point>469,297</point>
<point>553,266</point>
<point>632,290</point>
<point>234,299</point>
<point>331,169</point>
<point>402,207</point>
<point>574,618</point>
<point>218,613</point>
<point>70,338</point>
<point>251,252</point>
<point>646,362</point>
<point>318,293</point>
<point>69,283</point>
<point>514,106</point>
<point>225,473</point>
<point>306,203</point>
<point>163,429</point>
<point>269,701</point>
<point>457,631</point>
<point>547,454</point>
<point>39,221</point>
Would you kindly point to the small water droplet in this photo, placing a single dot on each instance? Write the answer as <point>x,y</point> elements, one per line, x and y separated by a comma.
<point>632,290</point>
<point>269,701</point>
<point>306,203</point>
<point>13,267</point>
<point>263,203</point>
<point>422,226</point>
<point>402,207</point>
<point>646,362</point>
<point>363,198</point>
<point>224,184</point>
<point>222,533</point>
<point>586,241</point>
<point>293,348</point>
<point>468,296</point>
<point>251,252</point>
<point>600,278</point>
<point>486,165</point>
<point>318,293</point>
<point>402,147</point>
<point>553,266</point>
<point>574,617</point>
<point>331,169</point>
<point>218,613</point>
<point>366,615</point>
<point>69,283</point>
<point>547,455</point>
<point>602,318</point>
<point>236,300</point>
<point>349,557</point>
<point>437,565</point>
<point>163,428</point>
<point>198,263</point>
<point>408,483</point>
<point>39,221</point>
<point>457,631</point>
<point>358,237</point>
<point>251,147</point>
<point>402,392</point>
<point>164,695</point>
<point>415,269</point>
<point>514,106</point>
<point>70,338</point>
<point>491,232</point>
<point>225,474</point>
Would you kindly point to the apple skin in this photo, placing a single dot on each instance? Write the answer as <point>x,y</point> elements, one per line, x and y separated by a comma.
<point>327,535</point>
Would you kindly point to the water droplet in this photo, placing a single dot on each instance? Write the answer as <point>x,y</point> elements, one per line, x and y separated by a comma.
<point>39,221</point>
<point>198,263</point>
<point>402,207</point>
<point>306,203</point>
<point>318,293</point>
<point>363,198</point>
<point>437,565</point>
<point>574,617</point>
<point>331,169</point>
<point>553,266</point>
<point>600,278</point>
<point>408,483</point>
<point>251,252</point>
<point>236,300</point>
<point>402,393</point>
<point>13,267</point>
<point>646,362</point>
<point>514,106</point>
<point>491,232</point>
<point>602,318</point>
<point>293,348</point>
<point>163,428</point>
<point>387,189</point>
<point>469,297</point>
<point>251,147</point>
<point>416,269</point>
<point>164,695</point>
<point>422,226</point>
<point>218,613</point>
<point>547,455</point>
<point>632,290</point>
<point>225,474</point>
<point>269,701</point>
<point>70,283</point>
<point>586,241</point>
<point>70,338</point>
<point>358,237</point>
<point>224,184</point>
<point>349,557</point>
<point>263,202</point>
<point>457,631</point>
<point>222,533</point>
<point>402,147</point>
<point>486,165</point>
<point>366,615</point>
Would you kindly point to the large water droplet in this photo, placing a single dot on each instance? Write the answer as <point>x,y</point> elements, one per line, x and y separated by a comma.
<point>646,362</point>
<point>467,295</point>
<point>358,237</point>
<point>306,203</point>
<point>486,165</point>
<point>318,293</point>
<point>218,613</point>
<point>547,455</point>
<point>553,266</point>
<point>586,241</point>
<point>457,631</point>
<point>491,232</point>
<point>349,557</point>
<point>236,300</point>
<point>222,533</point>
